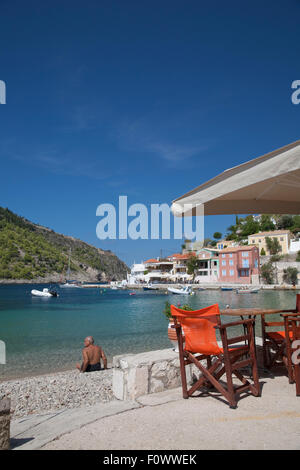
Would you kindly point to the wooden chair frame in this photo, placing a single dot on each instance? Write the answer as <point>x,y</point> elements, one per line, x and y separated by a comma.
<point>292,333</point>
<point>228,363</point>
<point>279,357</point>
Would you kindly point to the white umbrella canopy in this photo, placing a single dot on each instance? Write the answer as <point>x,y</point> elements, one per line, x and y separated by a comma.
<point>266,185</point>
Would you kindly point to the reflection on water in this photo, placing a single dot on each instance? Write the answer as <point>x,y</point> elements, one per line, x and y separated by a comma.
<point>45,334</point>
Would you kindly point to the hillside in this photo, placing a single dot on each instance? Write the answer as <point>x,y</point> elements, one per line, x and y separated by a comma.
<point>34,253</point>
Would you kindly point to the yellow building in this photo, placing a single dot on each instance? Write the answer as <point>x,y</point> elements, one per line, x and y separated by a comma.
<point>259,239</point>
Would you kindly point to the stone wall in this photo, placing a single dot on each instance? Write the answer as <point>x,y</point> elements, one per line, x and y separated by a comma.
<point>5,424</point>
<point>135,375</point>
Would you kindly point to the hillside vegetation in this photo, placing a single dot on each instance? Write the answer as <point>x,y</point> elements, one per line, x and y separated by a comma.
<point>35,253</point>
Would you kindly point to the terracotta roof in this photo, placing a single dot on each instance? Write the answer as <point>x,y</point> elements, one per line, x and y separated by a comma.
<point>152,260</point>
<point>231,249</point>
<point>186,255</point>
<point>266,234</point>
<point>175,255</point>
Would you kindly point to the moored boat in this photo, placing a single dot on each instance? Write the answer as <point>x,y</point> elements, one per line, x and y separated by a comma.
<point>150,287</point>
<point>187,290</point>
<point>248,290</point>
<point>44,293</point>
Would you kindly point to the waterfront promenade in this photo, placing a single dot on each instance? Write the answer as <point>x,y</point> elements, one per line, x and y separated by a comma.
<point>166,421</point>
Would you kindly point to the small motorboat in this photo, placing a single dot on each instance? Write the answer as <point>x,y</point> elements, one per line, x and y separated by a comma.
<point>226,288</point>
<point>150,287</point>
<point>246,290</point>
<point>187,290</point>
<point>44,293</point>
<point>131,293</point>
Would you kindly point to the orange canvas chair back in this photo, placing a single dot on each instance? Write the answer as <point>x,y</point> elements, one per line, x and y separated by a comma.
<point>198,328</point>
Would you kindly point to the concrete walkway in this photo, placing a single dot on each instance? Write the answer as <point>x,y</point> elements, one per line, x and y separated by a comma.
<point>34,431</point>
<point>166,421</point>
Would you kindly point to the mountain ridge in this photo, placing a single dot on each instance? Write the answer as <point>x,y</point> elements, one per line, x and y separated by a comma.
<point>30,252</point>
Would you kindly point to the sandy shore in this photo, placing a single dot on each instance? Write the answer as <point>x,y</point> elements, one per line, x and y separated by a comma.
<point>52,392</point>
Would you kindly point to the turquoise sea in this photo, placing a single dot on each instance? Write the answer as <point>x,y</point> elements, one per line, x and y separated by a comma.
<point>46,334</point>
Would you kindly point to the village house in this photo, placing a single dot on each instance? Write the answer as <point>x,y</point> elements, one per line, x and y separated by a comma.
<point>259,239</point>
<point>221,244</point>
<point>208,267</point>
<point>239,265</point>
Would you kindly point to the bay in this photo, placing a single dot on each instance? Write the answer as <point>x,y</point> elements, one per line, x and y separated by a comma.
<point>44,335</point>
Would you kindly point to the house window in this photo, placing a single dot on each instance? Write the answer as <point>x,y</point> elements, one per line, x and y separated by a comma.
<point>253,241</point>
<point>245,254</point>
<point>231,272</point>
<point>256,263</point>
<point>230,256</point>
<point>223,255</point>
<point>223,272</point>
<point>244,272</point>
<point>224,262</point>
<point>231,262</point>
<point>245,263</point>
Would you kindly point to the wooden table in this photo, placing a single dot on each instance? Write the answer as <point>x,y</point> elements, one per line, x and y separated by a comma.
<point>241,312</point>
<point>252,312</point>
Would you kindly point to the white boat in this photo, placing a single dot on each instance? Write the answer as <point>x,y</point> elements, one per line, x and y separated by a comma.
<point>69,283</point>
<point>187,290</point>
<point>246,290</point>
<point>150,287</point>
<point>44,293</point>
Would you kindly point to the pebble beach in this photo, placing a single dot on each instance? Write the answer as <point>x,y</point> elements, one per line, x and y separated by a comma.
<point>52,392</point>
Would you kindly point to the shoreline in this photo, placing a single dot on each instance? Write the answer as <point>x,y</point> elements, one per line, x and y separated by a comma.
<point>32,375</point>
<point>207,286</point>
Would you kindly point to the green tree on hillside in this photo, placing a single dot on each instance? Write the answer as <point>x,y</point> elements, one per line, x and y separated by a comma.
<point>273,245</point>
<point>290,275</point>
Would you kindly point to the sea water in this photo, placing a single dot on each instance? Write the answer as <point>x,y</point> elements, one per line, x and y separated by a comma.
<point>46,334</point>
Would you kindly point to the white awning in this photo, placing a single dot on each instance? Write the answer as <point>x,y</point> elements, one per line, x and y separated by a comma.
<point>266,185</point>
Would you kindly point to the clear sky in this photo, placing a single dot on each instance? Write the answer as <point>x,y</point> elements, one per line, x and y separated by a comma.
<point>138,98</point>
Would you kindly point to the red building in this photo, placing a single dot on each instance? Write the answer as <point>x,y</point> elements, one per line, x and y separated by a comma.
<point>239,265</point>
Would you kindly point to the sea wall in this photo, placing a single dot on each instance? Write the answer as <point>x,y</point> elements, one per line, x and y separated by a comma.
<point>135,375</point>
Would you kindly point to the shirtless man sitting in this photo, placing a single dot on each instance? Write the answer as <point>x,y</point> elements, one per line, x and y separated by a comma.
<point>92,356</point>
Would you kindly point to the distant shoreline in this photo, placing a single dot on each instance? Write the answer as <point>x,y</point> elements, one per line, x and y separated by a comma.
<point>209,286</point>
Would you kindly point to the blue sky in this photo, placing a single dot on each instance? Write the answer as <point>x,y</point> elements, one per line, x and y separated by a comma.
<point>137,98</point>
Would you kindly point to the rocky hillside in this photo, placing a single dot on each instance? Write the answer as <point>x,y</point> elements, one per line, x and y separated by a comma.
<point>34,253</point>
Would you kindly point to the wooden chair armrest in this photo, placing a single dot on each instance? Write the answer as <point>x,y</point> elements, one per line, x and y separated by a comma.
<point>274,323</point>
<point>235,323</point>
<point>296,314</point>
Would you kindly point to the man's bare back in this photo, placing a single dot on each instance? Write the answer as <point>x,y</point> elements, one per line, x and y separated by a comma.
<point>92,355</point>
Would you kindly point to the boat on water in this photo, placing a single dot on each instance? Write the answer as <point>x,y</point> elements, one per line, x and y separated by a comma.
<point>44,293</point>
<point>226,288</point>
<point>150,287</point>
<point>68,283</point>
<point>246,290</point>
<point>71,284</point>
<point>187,290</point>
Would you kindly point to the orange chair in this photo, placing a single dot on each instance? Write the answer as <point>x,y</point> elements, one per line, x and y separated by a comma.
<point>274,343</point>
<point>199,328</point>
